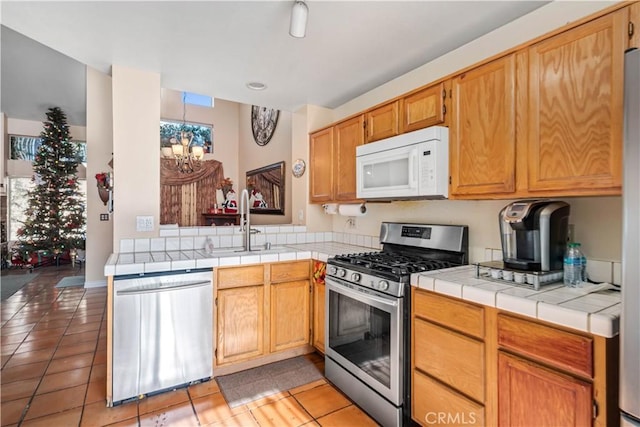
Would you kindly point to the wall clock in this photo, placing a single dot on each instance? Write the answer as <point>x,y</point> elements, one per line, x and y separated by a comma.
<point>263,123</point>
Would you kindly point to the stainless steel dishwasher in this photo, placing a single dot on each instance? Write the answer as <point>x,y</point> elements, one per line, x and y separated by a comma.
<point>162,332</point>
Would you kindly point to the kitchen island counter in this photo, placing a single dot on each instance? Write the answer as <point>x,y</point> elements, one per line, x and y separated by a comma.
<point>594,309</point>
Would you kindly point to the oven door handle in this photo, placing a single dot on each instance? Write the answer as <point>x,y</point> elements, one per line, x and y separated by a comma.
<point>358,295</point>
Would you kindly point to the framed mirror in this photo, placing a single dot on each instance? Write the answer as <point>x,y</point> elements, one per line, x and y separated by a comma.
<point>266,189</point>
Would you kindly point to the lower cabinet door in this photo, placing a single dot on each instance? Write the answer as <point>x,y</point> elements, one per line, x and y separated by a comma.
<point>532,395</point>
<point>289,315</point>
<point>240,324</point>
<point>436,404</point>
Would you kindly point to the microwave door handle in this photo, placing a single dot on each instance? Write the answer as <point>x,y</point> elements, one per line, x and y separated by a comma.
<point>413,173</point>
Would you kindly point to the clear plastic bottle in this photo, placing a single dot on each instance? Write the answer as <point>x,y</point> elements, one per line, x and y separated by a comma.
<point>573,270</point>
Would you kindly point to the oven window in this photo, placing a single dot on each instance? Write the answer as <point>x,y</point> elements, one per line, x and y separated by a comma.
<point>360,334</point>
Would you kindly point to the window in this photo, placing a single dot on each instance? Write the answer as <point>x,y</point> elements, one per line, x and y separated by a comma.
<point>202,134</point>
<point>196,99</point>
<point>26,147</point>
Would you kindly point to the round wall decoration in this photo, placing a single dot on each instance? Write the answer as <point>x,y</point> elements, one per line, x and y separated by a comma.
<point>263,123</point>
<point>298,168</point>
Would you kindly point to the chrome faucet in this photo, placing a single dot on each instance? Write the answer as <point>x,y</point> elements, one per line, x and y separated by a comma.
<point>245,220</point>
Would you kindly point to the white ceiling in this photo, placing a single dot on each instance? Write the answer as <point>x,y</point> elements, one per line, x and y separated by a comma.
<point>216,47</point>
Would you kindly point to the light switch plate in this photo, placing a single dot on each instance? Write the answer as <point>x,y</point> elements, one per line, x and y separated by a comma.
<point>144,223</point>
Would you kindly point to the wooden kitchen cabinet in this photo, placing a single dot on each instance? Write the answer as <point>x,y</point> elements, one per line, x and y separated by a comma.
<point>575,105</point>
<point>633,29</point>
<point>531,394</point>
<point>531,359</point>
<point>347,136</point>
<point>261,310</point>
<point>423,108</point>
<point>482,140</point>
<point>383,122</point>
<point>499,368</point>
<point>447,360</point>
<point>578,373</point>
<point>332,161</point>
<point>318,276</point>
<point>321,166</point>
<point>290,305</point>
<point>240,324</point>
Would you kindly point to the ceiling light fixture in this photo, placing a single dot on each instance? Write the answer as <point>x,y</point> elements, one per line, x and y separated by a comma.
<point>299,14</point>
<point>256,86</point>
<point>188,157</point>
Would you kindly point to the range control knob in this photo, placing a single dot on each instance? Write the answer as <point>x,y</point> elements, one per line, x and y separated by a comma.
<point>355,277</point>
<point>341,272</point>
<point>383,285</point>
<point>332,270</point>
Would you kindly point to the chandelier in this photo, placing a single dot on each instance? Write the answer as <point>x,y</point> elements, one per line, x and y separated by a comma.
<point>188,157</point>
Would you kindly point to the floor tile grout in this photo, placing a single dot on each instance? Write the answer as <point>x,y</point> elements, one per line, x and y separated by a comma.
<point>53,305</point>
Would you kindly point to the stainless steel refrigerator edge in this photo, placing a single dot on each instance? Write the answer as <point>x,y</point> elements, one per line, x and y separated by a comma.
<point>630,318</point>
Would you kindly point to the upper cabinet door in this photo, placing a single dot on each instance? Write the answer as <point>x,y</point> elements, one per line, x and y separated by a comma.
<point>423,109</point>
<point>633,28</point>
<point>575,108</point>
<point>483,131</point>
<point>347,136</point>
<point>383,122</point>
<point>321,166</point>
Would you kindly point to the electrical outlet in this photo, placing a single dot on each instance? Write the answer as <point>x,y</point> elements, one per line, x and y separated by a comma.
<point>351,222</point>
<point>104,217</point>
<point>144,223</point>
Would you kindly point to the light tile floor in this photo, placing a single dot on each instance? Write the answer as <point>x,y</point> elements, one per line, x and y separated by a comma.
<point>54,373</point>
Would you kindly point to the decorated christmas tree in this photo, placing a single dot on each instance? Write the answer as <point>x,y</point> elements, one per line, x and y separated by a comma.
<point>54,221</point>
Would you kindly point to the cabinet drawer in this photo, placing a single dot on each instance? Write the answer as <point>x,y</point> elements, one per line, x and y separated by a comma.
<point>285,272</point>
<point>459,315</point>
<point>452,358</point>
<point>432,400</point>
<point>571,352</point>
<point>239,276</point>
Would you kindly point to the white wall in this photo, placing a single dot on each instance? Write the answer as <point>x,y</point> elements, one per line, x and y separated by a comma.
<point>3,157</point>
<point>136,127</point>
<point>253,156</point>
<point>306,120</point>
<point>535,24</point>
<point>99,152</point>
<point>597,220</point>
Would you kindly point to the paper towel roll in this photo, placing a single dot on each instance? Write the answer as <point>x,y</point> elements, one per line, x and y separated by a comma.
<point>330,208</point>
<point>352,210</point>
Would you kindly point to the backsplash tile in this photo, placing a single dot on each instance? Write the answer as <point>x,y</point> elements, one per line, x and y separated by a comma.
<point>617,273</point>
<point>187,238</point>
<point>600,271</point>
<point>126,245</point>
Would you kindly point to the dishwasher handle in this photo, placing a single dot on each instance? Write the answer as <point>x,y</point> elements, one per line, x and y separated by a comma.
<point>146,289</point>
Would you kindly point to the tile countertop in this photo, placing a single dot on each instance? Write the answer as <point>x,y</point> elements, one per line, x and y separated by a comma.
<point>594,308</point>
<point>162,261</point>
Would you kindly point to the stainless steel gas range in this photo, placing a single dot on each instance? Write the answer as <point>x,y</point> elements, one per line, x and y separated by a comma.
<point>367,320</point>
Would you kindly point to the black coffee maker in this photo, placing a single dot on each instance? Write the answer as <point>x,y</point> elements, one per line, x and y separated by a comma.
<point>534,234</point>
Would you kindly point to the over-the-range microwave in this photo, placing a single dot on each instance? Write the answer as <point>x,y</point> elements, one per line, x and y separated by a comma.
<point>408,166</point>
